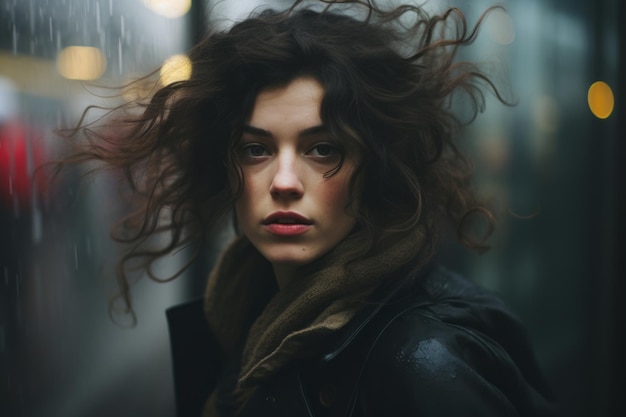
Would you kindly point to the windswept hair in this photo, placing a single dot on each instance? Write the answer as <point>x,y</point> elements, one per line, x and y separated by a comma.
<point>389,77</point>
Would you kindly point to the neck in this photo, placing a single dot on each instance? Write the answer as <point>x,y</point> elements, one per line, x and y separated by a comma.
<point>284,274</point>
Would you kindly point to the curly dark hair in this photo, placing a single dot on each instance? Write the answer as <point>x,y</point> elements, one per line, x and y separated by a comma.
<point>389,77</point>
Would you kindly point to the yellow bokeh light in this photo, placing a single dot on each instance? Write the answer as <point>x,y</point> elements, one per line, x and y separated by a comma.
<point>169,8</point>
<point>81,63</point>
<point>600,99</point>
<point>175,68</point>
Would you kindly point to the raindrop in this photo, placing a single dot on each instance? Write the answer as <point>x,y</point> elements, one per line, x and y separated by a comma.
<point>14,40</point>
<point>119,55</point>
<point>98,26</point>
<point>58,40</point>
<point>110,7</point>
<point>31,18</point>
<point>50,26</point>
<point>75,257</point>
<point>6,276</point>
<point>37,225</point>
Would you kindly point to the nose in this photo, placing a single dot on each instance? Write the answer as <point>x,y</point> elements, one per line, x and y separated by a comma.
<point>286,181</point>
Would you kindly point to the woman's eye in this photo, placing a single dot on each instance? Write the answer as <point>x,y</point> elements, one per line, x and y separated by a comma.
<point>254,151</point>
<point>324,150</point>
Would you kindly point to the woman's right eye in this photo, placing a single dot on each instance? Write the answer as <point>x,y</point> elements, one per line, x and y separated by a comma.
<point>254,150</point>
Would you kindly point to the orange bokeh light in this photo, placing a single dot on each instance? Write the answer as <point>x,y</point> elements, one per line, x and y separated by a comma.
<point>600,99</point>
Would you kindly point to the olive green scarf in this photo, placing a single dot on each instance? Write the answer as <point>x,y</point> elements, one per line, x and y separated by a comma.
<point>324,298</point>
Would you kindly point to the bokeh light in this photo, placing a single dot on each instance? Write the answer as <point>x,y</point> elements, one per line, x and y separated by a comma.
<point>175,68</point>
<point>81,63</point>
<point>169,8</point>
<point>600,99</point>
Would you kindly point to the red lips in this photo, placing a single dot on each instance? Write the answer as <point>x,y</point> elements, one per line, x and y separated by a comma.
<point>286,223</point>
<point>286,217</point>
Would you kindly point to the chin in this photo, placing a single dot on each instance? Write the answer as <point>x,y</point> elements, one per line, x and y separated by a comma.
<point>291,258</point>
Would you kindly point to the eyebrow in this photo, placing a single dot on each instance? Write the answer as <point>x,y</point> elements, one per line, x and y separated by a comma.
<point>309,131</point>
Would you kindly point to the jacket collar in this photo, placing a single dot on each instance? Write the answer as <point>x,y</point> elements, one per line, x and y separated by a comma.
<point>364,316</point>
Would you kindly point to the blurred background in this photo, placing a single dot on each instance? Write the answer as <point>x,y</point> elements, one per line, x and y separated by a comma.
<point>552,166</point>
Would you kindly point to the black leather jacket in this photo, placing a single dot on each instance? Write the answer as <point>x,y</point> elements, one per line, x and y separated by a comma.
<point>442,347</point>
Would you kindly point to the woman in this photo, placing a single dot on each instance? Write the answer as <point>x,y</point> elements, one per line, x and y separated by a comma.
<point>330,138</point>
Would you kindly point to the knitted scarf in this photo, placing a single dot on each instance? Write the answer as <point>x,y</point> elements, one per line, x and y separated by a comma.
<point>325,296</point>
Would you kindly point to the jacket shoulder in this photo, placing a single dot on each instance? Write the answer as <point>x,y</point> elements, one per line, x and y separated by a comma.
<point>452,349</point>
<point>195,352</point>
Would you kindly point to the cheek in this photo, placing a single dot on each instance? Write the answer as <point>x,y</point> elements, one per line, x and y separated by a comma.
<point>248,199</point>
<point>335,194</point>
<point>247,188</point>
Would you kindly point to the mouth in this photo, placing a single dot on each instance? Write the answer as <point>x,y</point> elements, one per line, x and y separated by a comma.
<point>286,217</point>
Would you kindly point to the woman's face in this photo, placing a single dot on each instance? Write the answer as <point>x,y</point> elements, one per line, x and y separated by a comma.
<point>288,210</point>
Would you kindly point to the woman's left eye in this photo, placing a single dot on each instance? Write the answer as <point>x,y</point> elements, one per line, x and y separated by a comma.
<point>324,150</point>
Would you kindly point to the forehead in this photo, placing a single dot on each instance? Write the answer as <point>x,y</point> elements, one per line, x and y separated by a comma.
<point>295,103</point>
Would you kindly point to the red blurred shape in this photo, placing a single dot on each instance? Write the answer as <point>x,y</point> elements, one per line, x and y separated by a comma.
<point>21,152</point>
